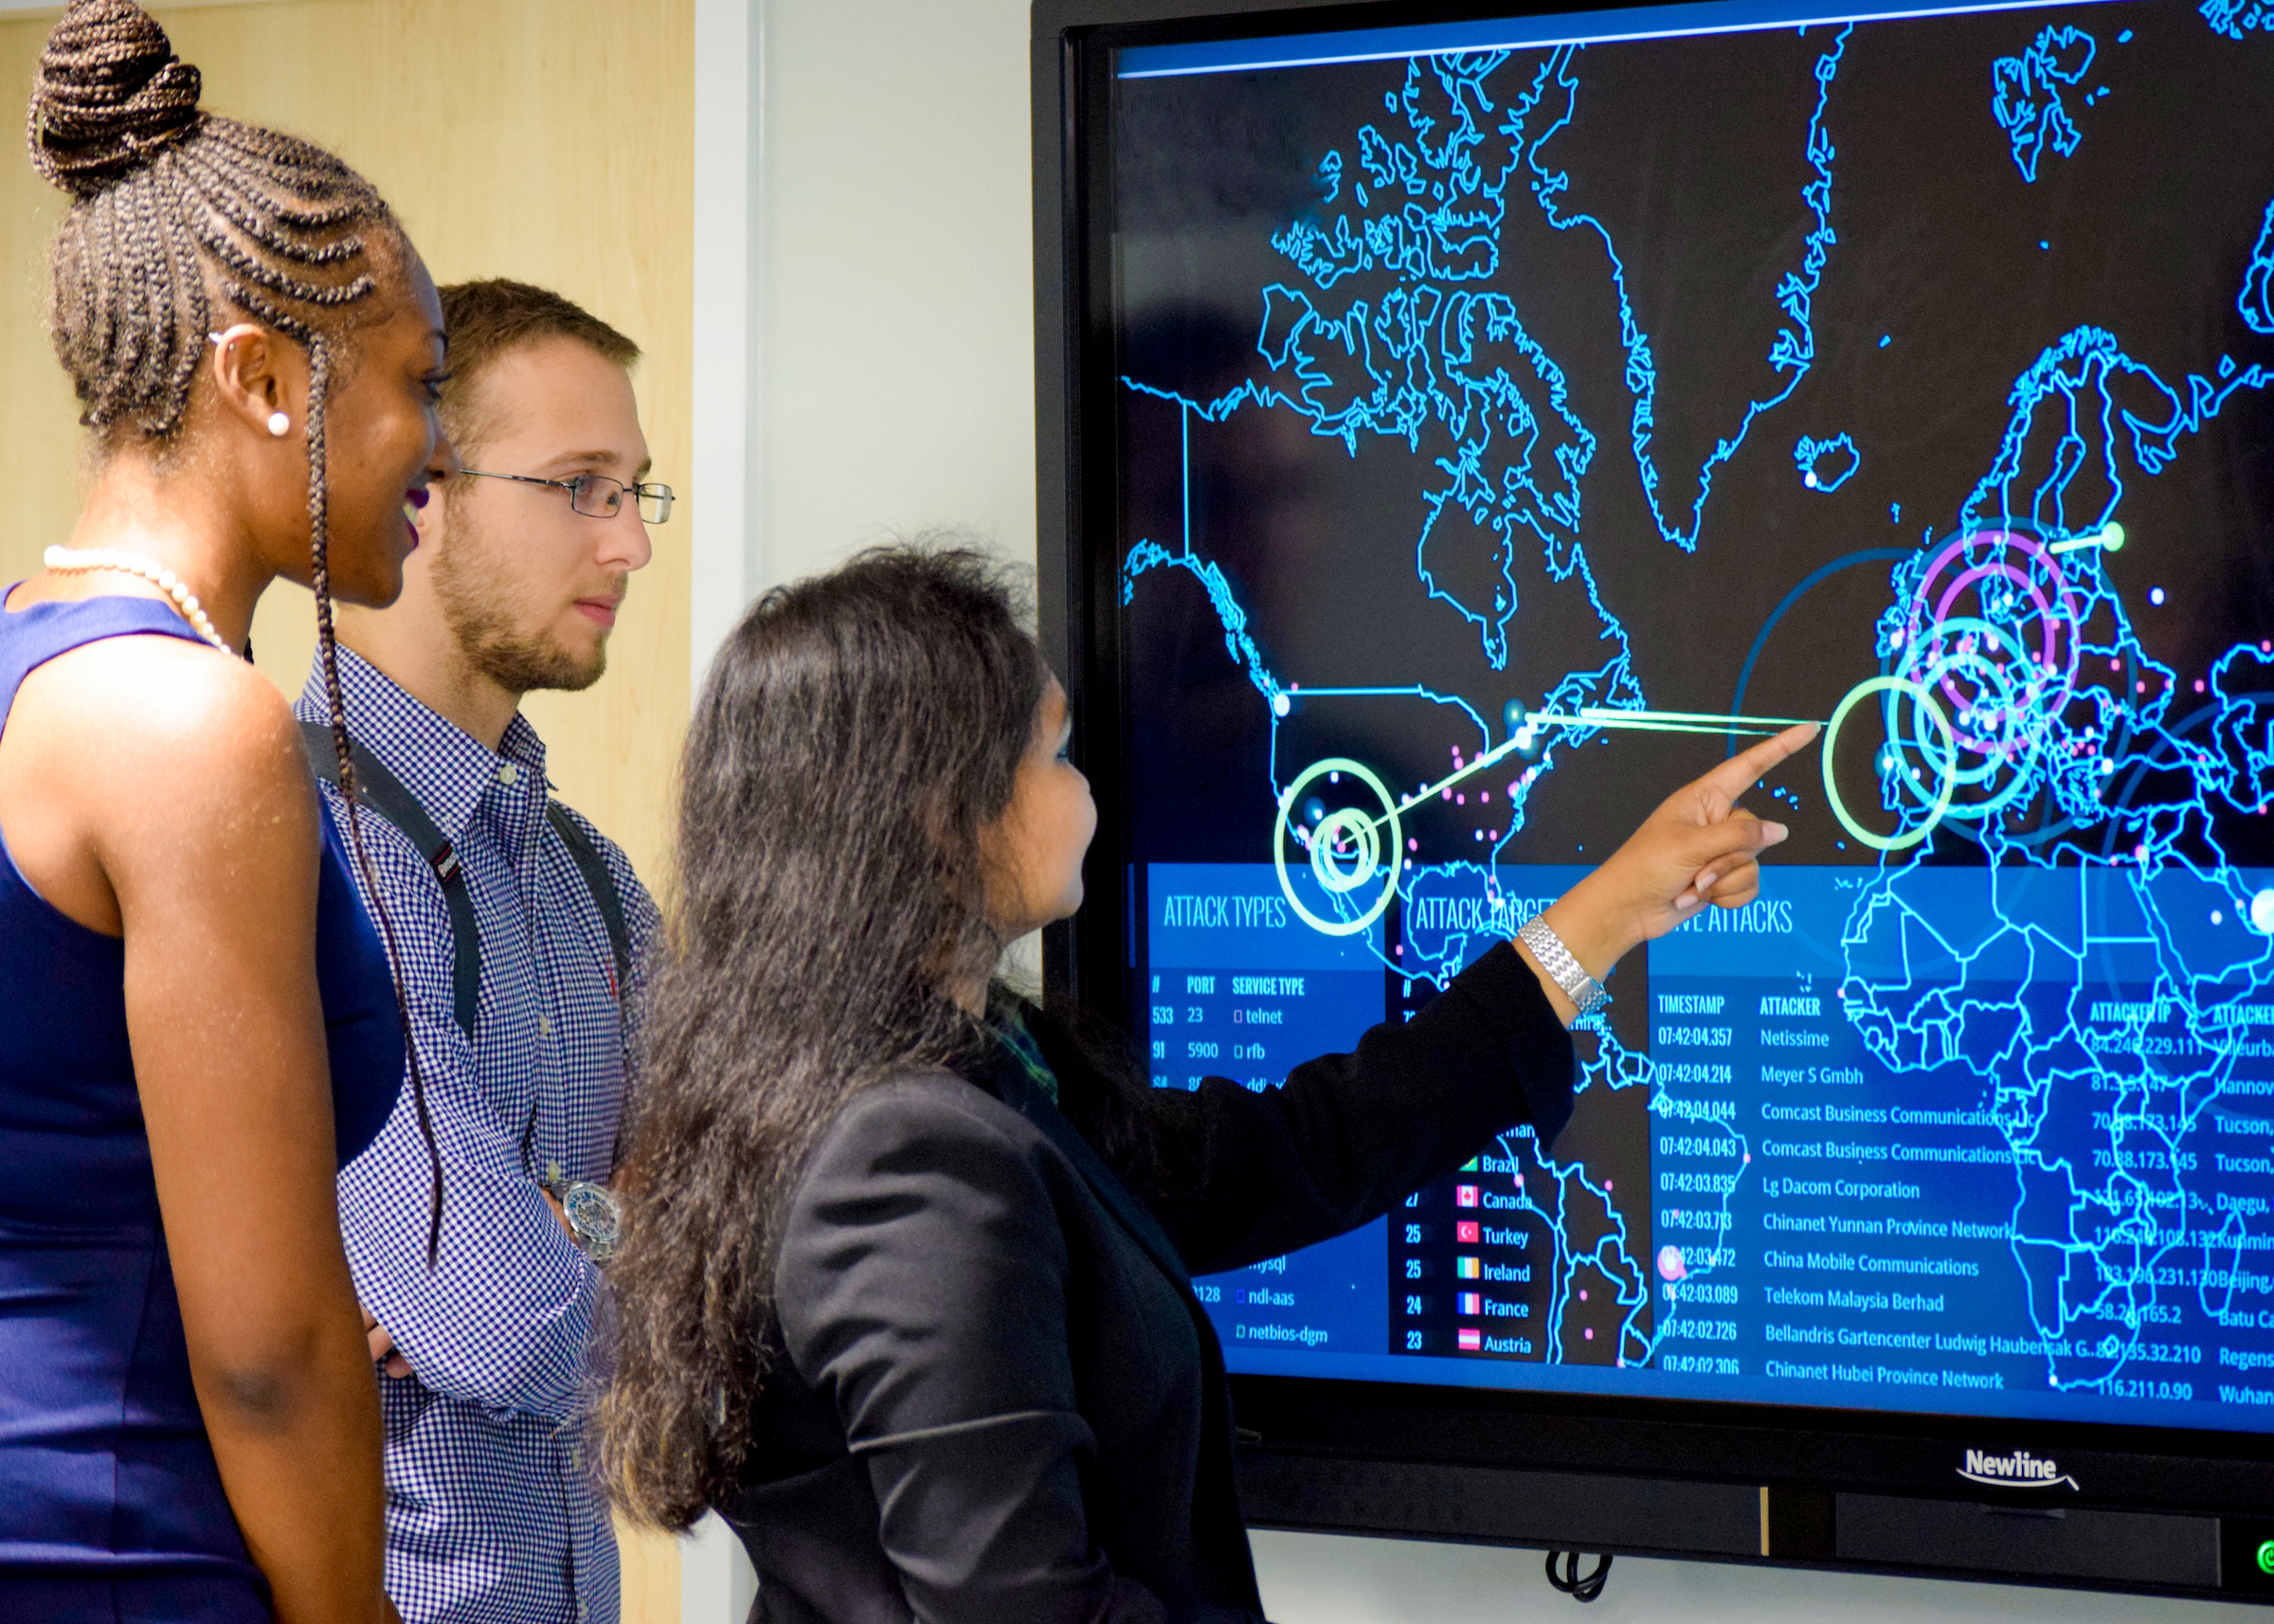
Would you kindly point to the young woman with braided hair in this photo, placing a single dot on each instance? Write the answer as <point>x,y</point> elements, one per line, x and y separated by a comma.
<point>197,1022</point>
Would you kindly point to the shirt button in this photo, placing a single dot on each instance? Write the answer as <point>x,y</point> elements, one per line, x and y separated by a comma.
<point>508,773</point>
<point>545,1024</point>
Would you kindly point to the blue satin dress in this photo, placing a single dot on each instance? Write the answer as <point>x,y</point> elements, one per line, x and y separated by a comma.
<point>110,1507</point>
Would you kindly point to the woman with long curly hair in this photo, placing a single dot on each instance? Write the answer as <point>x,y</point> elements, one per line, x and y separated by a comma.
<point>905,1286</point>
<point>197,1020</point>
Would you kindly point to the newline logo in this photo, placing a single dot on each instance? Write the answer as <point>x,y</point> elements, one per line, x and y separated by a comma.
<point>2020,1469</point>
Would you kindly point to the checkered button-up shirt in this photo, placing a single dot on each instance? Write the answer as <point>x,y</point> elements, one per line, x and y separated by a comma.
<point>491,1515</point>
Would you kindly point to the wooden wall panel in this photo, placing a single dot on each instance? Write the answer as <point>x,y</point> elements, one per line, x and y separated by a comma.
<point>500,130</point>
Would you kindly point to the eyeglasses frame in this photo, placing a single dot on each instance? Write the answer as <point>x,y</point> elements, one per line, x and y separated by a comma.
<point>661,495</point>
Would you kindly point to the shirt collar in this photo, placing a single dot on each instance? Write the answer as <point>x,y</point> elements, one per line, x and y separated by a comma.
<point>1008,1028</point>
<point>445,767</point>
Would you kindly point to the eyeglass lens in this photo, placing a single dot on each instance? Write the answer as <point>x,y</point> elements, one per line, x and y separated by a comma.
<point>598,497</point>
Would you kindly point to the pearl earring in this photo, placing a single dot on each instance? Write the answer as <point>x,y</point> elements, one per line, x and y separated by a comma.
<point>279,423</point>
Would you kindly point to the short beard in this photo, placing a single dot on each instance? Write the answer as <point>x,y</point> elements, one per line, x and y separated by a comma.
<point>481,616</point>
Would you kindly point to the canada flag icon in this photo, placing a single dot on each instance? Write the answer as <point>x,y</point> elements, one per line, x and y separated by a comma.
<point>1464,1194</point>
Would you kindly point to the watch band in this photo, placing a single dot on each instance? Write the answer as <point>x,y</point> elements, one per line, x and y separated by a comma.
<point>1582,989</point>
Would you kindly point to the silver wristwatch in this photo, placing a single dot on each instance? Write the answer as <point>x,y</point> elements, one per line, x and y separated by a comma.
<point>594,1218</point>
<point>1582,989</point>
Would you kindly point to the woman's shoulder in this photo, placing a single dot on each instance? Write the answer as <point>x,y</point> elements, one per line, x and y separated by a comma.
<point>927,1140</point>
<point>922,1166</point>
<point>154,757</point>
<point>916,1108</point>
<point>165,704</point>
<point>202,742</point>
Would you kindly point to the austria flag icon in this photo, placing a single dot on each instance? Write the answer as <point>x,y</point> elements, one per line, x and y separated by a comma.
<point>1471,1341</point>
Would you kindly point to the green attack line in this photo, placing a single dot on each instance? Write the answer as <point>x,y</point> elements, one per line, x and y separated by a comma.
<point>1723,724</point>
<point>2110,536</point>
<point>1593,716</point>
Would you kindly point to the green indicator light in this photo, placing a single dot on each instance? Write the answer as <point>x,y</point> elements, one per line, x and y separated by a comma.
<point>2266,1557</point>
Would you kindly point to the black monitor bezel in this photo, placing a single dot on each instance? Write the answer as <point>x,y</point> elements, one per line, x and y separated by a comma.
<point>2115,1465</point>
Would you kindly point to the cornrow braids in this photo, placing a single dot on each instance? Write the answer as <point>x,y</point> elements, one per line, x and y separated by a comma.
<point>175,208</point>
<point>319,379</point>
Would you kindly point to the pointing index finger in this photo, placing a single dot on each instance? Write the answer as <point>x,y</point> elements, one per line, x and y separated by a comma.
<point>1739,773</point>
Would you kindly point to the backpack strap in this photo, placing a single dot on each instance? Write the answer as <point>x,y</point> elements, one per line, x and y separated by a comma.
<point>383,792</point>
<point>601,883</point>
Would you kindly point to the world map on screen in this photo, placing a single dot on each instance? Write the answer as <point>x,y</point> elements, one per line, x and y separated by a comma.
<point>1507,435</point>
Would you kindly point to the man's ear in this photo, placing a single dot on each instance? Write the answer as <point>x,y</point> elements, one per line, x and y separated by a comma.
<point>256,376</point>
<point>432,521</point>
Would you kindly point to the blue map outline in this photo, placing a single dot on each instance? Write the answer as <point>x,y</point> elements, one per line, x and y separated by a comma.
<point>1808,454</point>
<point>2025,96</point>
<point>2068,396</point>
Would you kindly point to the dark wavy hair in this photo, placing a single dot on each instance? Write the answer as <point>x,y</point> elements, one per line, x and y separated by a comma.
<point>856,739</point>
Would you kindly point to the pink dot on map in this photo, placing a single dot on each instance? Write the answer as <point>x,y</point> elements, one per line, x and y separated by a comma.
<point>1589,1333</point>
<point>1671,1265</point>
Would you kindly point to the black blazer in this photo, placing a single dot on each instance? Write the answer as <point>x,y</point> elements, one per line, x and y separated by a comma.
<point>993,1396</point>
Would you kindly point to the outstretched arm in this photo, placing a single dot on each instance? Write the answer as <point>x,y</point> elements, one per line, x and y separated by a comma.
<point>1350,1132</point>
<point>1699,847</point>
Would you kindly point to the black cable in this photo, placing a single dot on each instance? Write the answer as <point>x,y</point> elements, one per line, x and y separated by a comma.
<point>1571,1583</point>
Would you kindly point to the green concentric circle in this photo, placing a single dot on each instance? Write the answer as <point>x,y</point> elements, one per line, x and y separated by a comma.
<point>1365,860</point>
<point>1919,695</point>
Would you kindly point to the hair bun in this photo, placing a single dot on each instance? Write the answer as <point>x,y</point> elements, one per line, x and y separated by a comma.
<point>111,96</point>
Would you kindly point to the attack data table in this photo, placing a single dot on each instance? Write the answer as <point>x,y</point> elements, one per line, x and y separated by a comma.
<point>1931,1141</point>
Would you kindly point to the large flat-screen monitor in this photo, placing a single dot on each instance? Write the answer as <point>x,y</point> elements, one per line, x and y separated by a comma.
<point>1459,428</point>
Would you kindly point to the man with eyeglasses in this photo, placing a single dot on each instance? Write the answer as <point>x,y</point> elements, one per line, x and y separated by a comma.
<point>521,940</point>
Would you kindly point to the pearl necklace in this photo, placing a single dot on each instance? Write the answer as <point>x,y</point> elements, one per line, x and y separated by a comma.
<point>64,561</point>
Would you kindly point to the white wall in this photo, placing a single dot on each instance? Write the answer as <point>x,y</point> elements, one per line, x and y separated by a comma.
<point>897,293</point>
<point>895,362</point>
